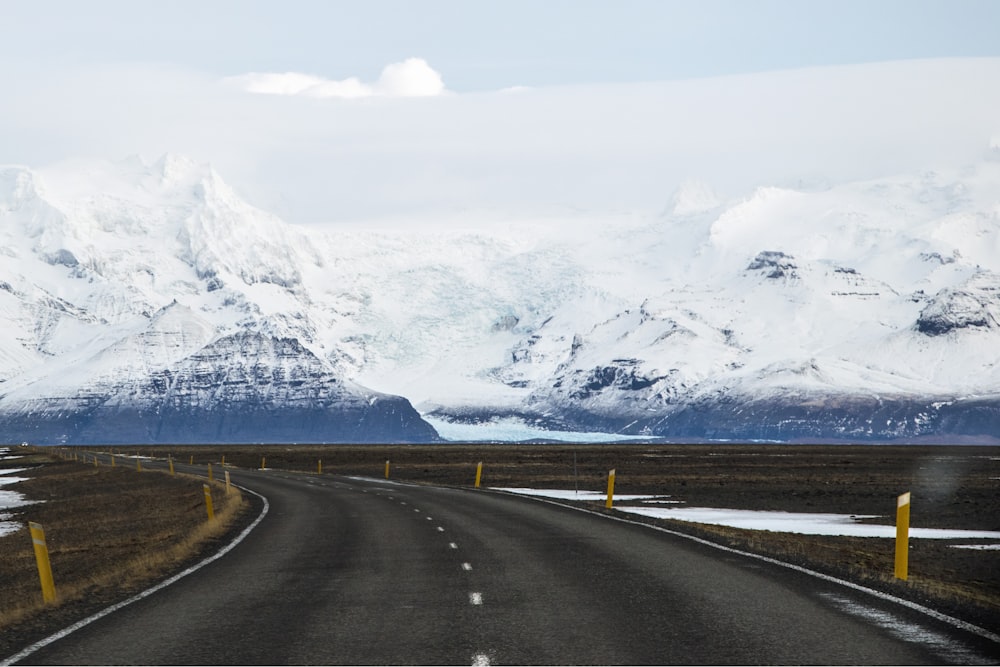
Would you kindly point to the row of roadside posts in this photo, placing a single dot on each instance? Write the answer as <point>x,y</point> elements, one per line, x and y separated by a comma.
<point>38,532</point>
<point>900,565</point>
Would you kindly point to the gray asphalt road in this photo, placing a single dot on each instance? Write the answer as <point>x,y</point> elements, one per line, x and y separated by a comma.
<point>352,571</point>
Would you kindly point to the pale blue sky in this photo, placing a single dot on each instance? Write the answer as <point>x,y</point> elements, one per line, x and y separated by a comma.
<point>626,99</point>
<point>479,45</point>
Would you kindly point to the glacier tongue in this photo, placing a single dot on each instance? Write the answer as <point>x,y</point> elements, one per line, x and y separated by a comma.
<point>150,303</point>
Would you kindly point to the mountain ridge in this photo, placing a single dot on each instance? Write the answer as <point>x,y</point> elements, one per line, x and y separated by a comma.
<point>863,310</point>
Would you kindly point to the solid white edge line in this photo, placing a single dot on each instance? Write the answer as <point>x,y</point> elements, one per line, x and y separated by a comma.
<point>143,594</point>
<point>950,620</point>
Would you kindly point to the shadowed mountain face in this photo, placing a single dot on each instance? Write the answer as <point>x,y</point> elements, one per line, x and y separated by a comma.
<point>243,388</point>
<point>163,308</point>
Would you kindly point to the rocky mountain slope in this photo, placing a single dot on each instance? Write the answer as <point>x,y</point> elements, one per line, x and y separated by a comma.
<point>149,303</point>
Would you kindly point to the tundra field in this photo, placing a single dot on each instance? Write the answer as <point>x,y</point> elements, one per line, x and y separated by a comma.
<point>113,531</point>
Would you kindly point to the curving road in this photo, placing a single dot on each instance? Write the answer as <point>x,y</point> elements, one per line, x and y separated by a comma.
<point>364,571</point>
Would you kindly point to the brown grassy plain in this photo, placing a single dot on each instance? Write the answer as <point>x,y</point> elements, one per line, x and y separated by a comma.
<point>110,533</point>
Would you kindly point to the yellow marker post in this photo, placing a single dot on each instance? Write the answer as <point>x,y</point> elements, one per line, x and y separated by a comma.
<point>138,464</point>
<point>387,468</point>
<point>170,460</point>
<point>95,460</point>
<point>263,461</point>
<point>228,486</point>
<point>191,462</point>
<point>902,536</point>
<point>42,558</point>
<point>210,472</point>
<point>208,502</point>
<point>611,488</point>
<point>112,460</point>
<point>319,467</point>
<point>479,473</point>
<point>223,460</point>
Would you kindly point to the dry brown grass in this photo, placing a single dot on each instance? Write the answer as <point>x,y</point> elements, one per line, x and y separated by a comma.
<point>110,532</point>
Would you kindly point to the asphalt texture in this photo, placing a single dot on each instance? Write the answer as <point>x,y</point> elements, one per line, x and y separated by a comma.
<point>366,571</point>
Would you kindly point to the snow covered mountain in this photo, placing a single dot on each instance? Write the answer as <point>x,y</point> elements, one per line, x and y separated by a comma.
<point>149,303</point>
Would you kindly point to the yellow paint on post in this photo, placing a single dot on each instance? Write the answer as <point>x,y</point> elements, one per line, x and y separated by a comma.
<point>112,460</point>
<point>479,473</point>
<point>210,478</point>
<point>319,467</point>
<point>387,468</point>
<point>228,485</point>
<point>611,488</point>
<point>208,502</point>
<point>138,464</point>
<point>223,460</point>
<point>42,558</point>
<point>902,536</point>
<point>191,462</point>
<point>170,460</point>
<point>263,462</point>
<point>95,460</point>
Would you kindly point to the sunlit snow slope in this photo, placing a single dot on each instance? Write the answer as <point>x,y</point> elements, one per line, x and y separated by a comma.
<point>148,303</point>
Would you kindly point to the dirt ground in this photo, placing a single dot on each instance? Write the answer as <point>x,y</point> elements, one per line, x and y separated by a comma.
<point>951,487</point>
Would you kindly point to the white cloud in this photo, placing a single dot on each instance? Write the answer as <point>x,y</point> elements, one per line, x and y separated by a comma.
<point>411,78</point>
<point>596,148</point>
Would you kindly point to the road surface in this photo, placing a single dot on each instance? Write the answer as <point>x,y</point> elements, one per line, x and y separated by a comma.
<point>364,571</point>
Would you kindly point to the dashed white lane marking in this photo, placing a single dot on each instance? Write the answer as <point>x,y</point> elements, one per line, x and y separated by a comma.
<point>430,518</point>
<point>476,598</point>
<point>466,566</point>
<point>481,660</point>
<point>440,529</point>
<point>452,545</point>
<point>415,509</point>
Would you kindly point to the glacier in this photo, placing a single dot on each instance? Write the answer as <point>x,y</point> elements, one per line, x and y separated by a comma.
<point>148,302</point>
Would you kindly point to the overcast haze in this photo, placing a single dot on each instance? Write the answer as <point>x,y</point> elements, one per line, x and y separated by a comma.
<point>309,108</point>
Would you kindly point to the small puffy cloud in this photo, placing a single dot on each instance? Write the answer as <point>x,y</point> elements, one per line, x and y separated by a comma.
<point>411,78</point>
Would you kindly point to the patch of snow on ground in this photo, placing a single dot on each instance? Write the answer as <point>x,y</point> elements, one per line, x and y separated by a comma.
<point>561,494</point>
<point>787,522</point>
<point>977,547</point>
<point>10,499</point>
<point>8,527</point>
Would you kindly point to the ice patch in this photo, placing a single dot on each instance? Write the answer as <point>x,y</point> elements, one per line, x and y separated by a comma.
<point>5,480</point>
<point>516,430</point>
<point>10,471</point>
